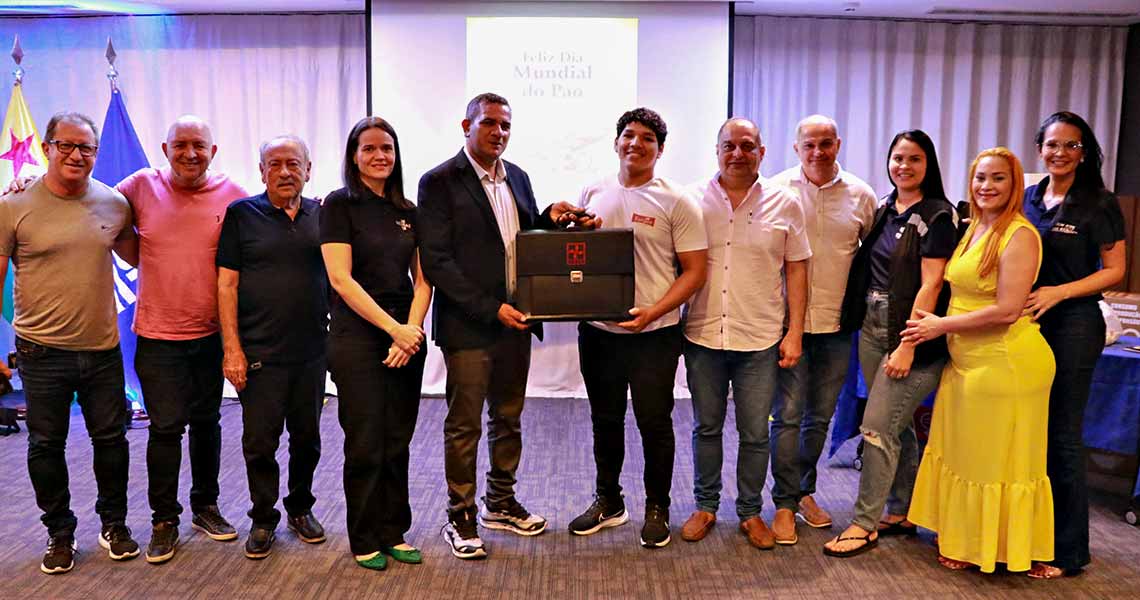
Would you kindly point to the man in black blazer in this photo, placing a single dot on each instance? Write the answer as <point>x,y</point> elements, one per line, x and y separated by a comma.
<point>470,209</point>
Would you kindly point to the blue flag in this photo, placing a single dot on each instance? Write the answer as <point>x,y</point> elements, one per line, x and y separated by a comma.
<point>121,154</point>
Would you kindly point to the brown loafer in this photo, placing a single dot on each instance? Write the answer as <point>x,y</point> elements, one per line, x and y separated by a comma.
<point>758,533</point>
<point>698,526</point>
<point>784,527</point>
<point>812,514</point>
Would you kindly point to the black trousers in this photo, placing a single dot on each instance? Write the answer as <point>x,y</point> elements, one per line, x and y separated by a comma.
<point>377,407</point>
<point>52,377</point>
<point>645,365</point>
<point>1076,335</point>
<point>182,385</point>
<point>279,396</point>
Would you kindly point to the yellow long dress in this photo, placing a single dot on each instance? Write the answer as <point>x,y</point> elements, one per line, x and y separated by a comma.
<point>982,484</point>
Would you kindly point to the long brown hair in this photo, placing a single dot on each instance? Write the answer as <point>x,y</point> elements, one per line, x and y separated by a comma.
<point>1013,208</point>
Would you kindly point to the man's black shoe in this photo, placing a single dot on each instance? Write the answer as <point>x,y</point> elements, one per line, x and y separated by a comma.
<point>655,531</point>
<point>308,528</point>
<point>212,523</point>
<point>60,555</point>
<point>116,540</point>
<point>259,543</point>
<point>163,541</point>
<point>602,513</point>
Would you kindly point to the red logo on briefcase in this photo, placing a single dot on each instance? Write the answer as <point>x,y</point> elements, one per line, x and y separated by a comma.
<point>575,254</point>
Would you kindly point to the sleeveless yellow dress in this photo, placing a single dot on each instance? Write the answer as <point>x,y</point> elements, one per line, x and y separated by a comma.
<point>982,484</point>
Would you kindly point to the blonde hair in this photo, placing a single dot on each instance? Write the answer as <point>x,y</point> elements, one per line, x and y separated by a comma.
<point>1012,209</point>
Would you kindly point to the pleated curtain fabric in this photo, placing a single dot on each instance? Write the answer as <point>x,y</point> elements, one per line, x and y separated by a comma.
<point>971,86</point>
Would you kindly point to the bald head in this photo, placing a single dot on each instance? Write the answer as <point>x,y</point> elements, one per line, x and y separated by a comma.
<point>817,146</point>
<point>189,148</point>
<point>740,122</point>
<point>819,123</point>
<point>739,151</point>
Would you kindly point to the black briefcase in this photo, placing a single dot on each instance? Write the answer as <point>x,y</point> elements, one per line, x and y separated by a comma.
<point>574,275</point>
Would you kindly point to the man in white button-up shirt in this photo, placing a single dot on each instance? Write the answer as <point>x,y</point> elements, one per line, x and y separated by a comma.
<point>839,210</point>
<point>737,332</point>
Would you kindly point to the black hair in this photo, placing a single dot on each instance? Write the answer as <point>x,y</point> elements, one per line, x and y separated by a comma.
<point>931,185</point>
<point>646,117</point>
<point>394,185</point>
<point>1088,175</point>
<point>476,104</point>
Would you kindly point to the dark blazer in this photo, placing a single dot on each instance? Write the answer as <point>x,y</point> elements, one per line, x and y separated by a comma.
<point>462,252</point>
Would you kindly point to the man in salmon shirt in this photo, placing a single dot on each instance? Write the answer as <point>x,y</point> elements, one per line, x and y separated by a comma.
<point>178,214</point>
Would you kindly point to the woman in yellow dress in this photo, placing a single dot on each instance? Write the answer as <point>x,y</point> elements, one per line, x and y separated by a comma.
<point>982,484</point>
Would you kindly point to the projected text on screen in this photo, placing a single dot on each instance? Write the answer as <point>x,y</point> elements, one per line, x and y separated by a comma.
<point>568,79</point>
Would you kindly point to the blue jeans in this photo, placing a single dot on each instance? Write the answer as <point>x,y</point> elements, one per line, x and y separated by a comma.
<point>802,412</point>
<point>52,377</point>
<point>890,448</point>
<point>753,379</point>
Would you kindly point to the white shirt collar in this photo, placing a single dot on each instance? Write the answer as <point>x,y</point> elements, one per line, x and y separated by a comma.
<point>803,178</point>
<point>500,169</point>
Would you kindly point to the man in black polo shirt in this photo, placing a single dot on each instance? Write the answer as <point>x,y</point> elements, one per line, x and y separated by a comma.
<point>273,305</point>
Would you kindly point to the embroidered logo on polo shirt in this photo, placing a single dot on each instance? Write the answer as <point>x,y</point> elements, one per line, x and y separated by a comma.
<point>403,225</point>
<point>644,220</point>
<point>1065,228</point>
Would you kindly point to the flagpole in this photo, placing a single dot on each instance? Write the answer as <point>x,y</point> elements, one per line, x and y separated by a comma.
<point>18,56</point>
<point>122,270</point>
<point>112,72</point>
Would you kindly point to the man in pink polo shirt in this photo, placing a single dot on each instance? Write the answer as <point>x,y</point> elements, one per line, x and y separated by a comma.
<point>178,214</point>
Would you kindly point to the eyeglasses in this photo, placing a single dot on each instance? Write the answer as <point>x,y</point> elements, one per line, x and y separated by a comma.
<point>85,150</point>
<point>1052,146</point>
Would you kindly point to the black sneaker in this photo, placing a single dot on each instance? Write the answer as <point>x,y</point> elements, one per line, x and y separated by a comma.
<point>462,534</point>
<point>511,516</point>
<point>60,555</point>
<point>601,514</point>
<point>163,541</point>
<point>307,527</point>
<point>116,540</point>
<point>259,543</point>
<point>655,531</point>
<point>212,523</point>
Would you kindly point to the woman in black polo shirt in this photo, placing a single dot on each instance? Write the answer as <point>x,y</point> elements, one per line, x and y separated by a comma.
<point>897,270</point>
<point>1082,233</point>
<point>376,338</point>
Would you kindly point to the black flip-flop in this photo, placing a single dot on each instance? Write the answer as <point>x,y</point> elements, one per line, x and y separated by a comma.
<point>871,543</point>
<point>897,528</point>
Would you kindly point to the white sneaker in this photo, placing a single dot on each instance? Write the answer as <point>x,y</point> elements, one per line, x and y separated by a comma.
<point>511,517</point>
<point>463,537</point>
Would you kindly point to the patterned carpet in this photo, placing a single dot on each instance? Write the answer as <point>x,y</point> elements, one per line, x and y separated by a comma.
<point>556,481</point>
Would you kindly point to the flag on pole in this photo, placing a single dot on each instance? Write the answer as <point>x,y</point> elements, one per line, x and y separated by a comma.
<point>21,155</point>
<point>120,154</point>
<point>21,150</point>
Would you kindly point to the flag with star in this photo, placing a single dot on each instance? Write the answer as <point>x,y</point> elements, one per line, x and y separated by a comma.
<point>21,151</point>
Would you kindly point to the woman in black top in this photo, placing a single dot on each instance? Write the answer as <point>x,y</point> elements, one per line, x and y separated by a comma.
<point>897,271</point>
<point>376,338</point>
<point>1082,235</point>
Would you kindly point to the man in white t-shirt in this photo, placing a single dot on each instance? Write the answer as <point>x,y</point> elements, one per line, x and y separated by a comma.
<point>735,332</point>
<point>839,210</point>
<point>639,356</point>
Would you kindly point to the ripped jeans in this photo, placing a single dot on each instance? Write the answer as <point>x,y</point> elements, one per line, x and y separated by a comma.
<point>890,448</point>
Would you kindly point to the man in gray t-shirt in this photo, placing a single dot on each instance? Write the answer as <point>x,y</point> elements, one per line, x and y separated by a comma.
<point>59,233</point>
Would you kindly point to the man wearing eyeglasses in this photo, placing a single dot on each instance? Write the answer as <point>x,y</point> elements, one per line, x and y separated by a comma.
<point>59,232</point>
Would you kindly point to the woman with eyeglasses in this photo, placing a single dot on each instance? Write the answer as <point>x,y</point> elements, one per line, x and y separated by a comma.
<point>896,274</point>
<point>1082,230</point>
<point>982,485</point>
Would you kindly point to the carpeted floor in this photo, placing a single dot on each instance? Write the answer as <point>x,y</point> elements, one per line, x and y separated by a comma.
<point>555,480</point>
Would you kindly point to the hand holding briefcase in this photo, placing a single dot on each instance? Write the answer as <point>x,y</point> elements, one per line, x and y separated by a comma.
<point>574,275</point>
